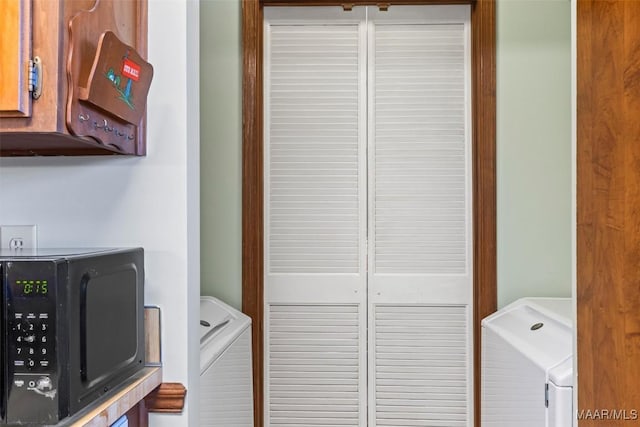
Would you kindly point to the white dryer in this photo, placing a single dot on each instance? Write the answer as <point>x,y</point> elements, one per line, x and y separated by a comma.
<point>527,364</point>
<point>226,378</point>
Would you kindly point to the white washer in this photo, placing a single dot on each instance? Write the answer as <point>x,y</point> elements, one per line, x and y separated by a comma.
<point>226,379</point>
<point>527,364</point>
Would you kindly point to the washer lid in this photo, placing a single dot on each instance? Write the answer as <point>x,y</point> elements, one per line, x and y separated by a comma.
<point>213,319</point>
<point>562,374</point>
<point>226,324</point>
<point>537,328</point>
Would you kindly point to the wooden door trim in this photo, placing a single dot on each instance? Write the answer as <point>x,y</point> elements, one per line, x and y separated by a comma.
<point>252,192</point>
<point>607,212</point>
<point>485,288</point>
<point>483,27</point>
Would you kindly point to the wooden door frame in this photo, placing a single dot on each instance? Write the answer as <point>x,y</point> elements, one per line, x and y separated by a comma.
<point>483,41</point>
<point>607,211</point>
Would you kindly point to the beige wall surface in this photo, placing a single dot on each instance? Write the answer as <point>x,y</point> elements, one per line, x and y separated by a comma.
<point>221,143</point>
<point>533,148</point>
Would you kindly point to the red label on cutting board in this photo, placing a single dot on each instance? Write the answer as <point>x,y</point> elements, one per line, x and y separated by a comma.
<point>131,70</point>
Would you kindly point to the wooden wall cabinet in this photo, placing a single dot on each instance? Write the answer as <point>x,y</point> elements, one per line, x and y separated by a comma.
<point>65,36</point>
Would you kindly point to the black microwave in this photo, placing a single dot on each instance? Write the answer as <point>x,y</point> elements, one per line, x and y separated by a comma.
<point>72,329</point>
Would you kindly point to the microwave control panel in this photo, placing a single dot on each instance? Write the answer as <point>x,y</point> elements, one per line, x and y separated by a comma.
<point>31,347</point>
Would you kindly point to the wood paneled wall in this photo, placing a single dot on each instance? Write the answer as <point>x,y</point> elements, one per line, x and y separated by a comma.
<point>608,212</point>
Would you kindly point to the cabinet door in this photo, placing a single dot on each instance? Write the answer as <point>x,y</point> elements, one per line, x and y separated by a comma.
<point>15,52</point>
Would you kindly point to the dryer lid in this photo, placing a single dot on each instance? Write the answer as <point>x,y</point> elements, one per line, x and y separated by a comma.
<point>537,328</point>
<point>213,318</point>
<point>562,374</point>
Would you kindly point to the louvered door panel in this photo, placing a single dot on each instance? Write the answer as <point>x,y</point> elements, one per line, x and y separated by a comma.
<point>420,283</point>
<point>421,366</point>
<point>420,153</point>
<point>314,365</point>
<point>315,218</point>
<point>313,149</point>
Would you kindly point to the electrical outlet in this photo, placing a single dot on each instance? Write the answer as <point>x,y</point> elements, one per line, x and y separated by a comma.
<point>18,236</point>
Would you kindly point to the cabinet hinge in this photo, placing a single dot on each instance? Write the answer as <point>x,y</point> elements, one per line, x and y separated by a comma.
<point>35,77</point>
<point>546,395</point>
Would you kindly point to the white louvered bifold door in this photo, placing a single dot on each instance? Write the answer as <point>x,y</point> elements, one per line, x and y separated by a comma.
<point>367,139</point>
<point>315,217</point>
<point>420,263</point>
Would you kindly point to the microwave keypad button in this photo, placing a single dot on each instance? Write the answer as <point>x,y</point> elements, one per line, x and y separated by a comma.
<point>44,383</point>
<point>25,327</point>
<point>32,341</point>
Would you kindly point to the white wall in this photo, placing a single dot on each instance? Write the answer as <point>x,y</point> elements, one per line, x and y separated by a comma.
<point>151,202</point>
<point>533,148</point>
<point>192,143</point>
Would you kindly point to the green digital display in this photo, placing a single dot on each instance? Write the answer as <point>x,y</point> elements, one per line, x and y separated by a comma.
<point>31,288</point>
